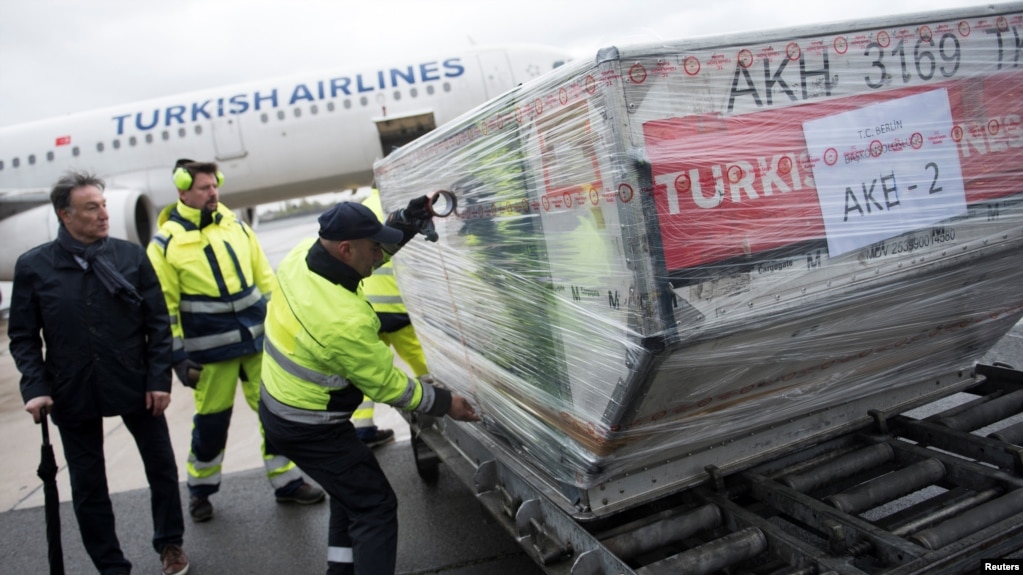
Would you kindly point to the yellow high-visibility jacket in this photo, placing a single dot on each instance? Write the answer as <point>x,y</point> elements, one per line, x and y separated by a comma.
<point>216,280</point>
<point>381,288</point>
<point>322,349</point>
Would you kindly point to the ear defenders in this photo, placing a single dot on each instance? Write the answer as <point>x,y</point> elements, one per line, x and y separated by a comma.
<point>183,179</point>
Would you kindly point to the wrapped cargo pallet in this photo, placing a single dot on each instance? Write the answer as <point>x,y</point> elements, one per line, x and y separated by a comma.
<point>675,248</point>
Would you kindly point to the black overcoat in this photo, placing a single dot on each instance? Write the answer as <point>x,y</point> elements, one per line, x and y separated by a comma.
<point>94,353</point>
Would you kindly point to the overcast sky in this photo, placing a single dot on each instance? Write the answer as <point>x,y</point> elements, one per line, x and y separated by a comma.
<point>64,56</point>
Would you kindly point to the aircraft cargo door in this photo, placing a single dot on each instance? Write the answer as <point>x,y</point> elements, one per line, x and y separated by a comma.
<point>497,74</point>
<point>227,138</point>
<point>397,131</point>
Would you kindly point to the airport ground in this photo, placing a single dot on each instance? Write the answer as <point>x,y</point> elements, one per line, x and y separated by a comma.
<point>443,530</point>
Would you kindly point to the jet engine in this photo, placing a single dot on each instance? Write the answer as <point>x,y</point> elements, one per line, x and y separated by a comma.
<point>248,215</point>
<point>132,218</point>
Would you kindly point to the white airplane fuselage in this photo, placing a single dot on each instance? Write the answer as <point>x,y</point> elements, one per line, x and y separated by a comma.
<point>273,140</point>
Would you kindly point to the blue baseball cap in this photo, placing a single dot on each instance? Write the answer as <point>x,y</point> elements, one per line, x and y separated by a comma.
<point>353,221</point>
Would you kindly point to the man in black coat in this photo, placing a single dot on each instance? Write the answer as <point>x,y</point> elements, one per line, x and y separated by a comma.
<point>90,334</point>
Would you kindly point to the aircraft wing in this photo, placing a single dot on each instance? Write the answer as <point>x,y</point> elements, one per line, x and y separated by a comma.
<point>13,202</point>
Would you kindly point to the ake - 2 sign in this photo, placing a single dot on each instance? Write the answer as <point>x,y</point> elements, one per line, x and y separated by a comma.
<point>885,169</point>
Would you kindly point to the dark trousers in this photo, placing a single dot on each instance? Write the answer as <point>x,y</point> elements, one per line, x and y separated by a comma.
<point>83,450</point>
<point>363,532</point>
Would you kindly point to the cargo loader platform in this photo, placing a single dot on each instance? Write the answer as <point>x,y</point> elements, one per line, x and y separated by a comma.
<point>892,494</point>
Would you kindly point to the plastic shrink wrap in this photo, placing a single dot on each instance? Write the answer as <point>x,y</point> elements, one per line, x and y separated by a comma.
<point>669,247</point>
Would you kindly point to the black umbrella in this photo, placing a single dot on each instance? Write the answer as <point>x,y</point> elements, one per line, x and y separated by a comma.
<point>47,471</point>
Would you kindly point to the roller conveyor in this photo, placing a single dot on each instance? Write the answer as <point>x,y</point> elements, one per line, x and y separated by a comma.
<point>897,495</point>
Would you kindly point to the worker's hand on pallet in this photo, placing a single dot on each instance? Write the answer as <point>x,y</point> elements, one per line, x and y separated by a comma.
<point>461,409</point>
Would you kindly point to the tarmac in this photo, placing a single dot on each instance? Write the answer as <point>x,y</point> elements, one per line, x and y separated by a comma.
<point>443,530</point>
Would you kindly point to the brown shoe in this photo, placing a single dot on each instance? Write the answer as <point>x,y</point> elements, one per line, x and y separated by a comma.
<point>174,560</point>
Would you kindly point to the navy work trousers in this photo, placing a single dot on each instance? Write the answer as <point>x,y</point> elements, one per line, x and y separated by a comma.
<point>363,531</point>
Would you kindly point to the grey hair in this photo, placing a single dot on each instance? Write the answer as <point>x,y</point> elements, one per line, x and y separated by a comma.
<point>60,195</point>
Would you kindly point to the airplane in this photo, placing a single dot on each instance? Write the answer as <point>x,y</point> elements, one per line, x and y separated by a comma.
<point>274,139</point>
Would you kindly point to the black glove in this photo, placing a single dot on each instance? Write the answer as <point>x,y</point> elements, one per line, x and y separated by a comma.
<point>426,228</point>
<point>187,372</point>
<point>414,218</point>
<point>419,209</point>
<point>397,219</point>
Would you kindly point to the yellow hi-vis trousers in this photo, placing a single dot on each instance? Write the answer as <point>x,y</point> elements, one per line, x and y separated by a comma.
<point>214,403</point>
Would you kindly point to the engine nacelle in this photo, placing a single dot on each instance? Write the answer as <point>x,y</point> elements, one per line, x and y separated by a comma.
<point>248,215</point>
<point>132,218</point>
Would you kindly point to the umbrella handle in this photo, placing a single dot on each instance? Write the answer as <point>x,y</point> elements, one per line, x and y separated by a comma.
<point>46,427</point>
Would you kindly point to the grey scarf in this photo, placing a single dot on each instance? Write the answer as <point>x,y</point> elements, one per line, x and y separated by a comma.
<point>94,254</point>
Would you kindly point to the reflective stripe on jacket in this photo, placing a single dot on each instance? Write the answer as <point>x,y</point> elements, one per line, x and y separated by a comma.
<point>216,281</point>
<point>322,351</point>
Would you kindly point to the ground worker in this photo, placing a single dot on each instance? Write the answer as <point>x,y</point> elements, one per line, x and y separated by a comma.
<point>216,281</point>
<point>396,330</point>
<point>323,353</point>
